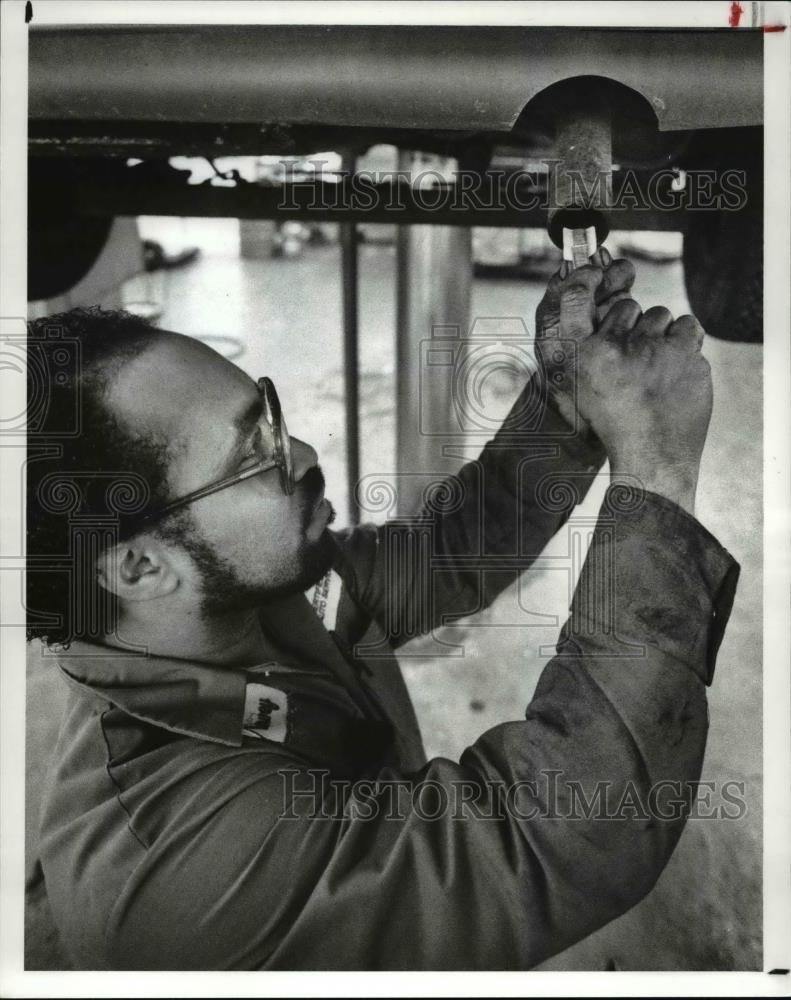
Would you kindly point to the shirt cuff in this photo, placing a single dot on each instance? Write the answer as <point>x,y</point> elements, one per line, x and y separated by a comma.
<point>673,583</point>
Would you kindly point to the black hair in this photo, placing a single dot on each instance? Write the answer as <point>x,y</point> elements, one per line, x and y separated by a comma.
<point>90,478</point>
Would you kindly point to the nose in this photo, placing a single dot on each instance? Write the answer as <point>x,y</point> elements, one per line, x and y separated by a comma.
<point>304,457</point>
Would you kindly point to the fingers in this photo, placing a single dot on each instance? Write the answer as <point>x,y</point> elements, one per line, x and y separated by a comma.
<point>548,311</point>
<point>655,322</point>
<point>626,322</point>
<point>618,278</point>
<point>605,307</point>
<point>687,327</point>
<point>621,319</point>
<point>601,258</point>
<point>551,296</point>
<point>577,302</point>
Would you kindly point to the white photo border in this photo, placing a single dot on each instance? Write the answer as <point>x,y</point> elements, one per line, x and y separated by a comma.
<point>14,981</point>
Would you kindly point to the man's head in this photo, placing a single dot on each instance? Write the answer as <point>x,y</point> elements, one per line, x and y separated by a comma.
<point>171,410</point>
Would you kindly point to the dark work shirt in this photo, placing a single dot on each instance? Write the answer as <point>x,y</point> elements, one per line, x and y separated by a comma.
<point>285,817</point>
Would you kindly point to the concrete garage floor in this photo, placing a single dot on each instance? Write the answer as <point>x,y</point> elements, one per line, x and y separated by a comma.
<point>705,912</point>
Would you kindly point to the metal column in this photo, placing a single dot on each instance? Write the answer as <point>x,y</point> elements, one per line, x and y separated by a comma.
<point>351,368</point>
<point>433,286</point>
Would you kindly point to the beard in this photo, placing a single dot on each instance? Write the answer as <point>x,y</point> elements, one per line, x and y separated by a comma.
<point>223,590</point>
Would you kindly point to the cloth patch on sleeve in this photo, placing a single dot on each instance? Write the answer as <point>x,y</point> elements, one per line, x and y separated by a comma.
<point>325,597</point>
<point>265,713</point>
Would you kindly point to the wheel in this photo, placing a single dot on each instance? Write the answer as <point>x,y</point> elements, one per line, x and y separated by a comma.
<point>61,251</point>
<point>63,245</point>
<point>724,270</point>
<point>723,273</point>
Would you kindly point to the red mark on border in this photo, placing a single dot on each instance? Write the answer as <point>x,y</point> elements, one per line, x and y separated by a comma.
<point>774,27</point>
<point>736,13</point>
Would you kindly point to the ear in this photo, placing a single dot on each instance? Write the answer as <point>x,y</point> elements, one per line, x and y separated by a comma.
<point>139,570</point>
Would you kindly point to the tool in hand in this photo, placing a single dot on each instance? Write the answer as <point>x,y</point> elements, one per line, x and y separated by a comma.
<point>579,245</point>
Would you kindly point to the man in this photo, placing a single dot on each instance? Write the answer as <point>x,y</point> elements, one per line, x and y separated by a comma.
<point>239,781</point>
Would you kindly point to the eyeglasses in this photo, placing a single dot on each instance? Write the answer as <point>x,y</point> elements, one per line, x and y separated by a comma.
<point>273,427</point>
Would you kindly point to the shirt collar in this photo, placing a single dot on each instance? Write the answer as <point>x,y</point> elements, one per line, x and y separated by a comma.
<point>200,699</point>
<point>194,699</point>
<point>305,710</point>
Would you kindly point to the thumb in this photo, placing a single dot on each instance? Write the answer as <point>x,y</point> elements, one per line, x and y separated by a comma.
<point>578,302</point>
<point>548,311</point>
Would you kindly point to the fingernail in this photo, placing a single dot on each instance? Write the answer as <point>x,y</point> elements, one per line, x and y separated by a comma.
<point>565,269</point>
<point>605,256</point>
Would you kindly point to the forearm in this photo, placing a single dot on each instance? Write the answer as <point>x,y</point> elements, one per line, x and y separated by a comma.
<point>678,485</point>
<point>540,464</point>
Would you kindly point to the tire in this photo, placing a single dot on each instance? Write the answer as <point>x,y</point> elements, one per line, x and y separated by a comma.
<point>63,244</point>
<point>723,273</point>
<point>61,251</point>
